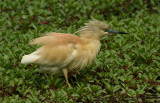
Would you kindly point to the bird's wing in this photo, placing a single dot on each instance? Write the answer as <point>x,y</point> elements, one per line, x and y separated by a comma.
<point>58,50</point>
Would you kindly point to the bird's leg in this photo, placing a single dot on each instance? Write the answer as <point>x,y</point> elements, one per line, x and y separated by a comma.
<point>65,72</point>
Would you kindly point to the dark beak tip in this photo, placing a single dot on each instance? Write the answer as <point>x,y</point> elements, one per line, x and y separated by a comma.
<point>122,33</point>
<point>116,32</point>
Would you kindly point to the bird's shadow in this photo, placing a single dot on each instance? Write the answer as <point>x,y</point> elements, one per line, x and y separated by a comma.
<point>77,77</point>
<point>56,81</point>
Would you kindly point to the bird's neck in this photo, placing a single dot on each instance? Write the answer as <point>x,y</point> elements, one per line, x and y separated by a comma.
<point>89,35</point>
<point>93,48</point>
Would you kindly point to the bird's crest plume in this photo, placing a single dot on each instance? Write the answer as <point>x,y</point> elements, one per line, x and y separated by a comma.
<point>93,25</point>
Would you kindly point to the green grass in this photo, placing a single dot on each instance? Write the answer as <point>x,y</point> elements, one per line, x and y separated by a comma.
<point>127,69</point>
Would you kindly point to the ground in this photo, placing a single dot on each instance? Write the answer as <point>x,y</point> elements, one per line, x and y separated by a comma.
<point>126,69</point>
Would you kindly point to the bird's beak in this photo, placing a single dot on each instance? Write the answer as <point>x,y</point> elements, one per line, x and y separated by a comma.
<point>115,32</point>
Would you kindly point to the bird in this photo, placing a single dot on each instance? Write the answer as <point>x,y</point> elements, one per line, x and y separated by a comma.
<point>60,53</point>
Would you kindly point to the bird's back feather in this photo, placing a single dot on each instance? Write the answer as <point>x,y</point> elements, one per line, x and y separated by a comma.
<point>57,39</point>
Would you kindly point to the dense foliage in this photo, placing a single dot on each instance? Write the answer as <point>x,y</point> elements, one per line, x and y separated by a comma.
<point>127,68</point>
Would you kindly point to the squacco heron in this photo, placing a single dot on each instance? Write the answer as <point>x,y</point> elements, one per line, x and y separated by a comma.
<point>61,53</point>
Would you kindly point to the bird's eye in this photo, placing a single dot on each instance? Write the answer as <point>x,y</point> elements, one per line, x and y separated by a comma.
<point>105,30</point>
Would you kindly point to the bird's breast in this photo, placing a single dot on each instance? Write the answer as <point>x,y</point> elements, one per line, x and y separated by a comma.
<point>85,54</point>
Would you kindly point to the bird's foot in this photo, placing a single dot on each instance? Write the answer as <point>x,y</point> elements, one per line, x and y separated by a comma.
<point>68,85</point>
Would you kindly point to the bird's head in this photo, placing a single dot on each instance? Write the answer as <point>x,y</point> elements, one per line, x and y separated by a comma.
<point>96,29</point>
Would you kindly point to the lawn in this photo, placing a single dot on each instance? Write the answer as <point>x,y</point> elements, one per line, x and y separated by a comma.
<point>127,68</point>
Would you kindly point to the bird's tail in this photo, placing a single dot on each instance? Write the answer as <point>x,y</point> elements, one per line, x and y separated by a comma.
<point>31,58</point>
